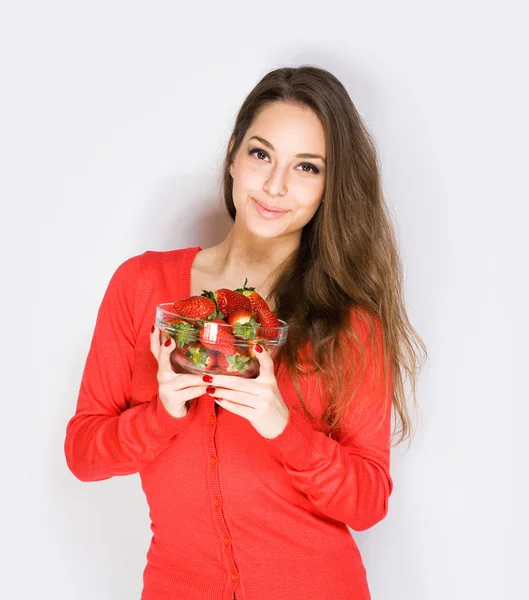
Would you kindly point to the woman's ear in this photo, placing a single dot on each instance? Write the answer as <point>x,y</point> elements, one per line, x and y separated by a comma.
<point>232,142</point>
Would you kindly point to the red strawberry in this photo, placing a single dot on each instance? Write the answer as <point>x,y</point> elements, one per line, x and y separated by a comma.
<point>269,322</point>
<point>244,324</point>
<point>257,301</point>
<point>200,357</point>
<point>228,301</point>
<point>215,334</point>
<point>182,332</point>
<point>236,363</point>
<point>196,307</point>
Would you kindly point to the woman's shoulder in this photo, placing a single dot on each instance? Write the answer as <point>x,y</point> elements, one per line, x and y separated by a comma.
<point>158,262</point>
<point>154,266</point>
<point>172,259</point>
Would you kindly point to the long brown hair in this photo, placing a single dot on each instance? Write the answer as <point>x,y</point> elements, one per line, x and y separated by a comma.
<point>347,262</point>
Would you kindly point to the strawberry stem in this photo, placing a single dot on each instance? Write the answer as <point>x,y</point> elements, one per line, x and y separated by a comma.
<point>245,289</point>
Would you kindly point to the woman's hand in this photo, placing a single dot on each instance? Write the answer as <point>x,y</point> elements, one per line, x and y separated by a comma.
<point>257,400</point>
<point>174,389</point>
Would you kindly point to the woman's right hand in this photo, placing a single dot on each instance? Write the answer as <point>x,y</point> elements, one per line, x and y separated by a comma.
<point>174,389</point>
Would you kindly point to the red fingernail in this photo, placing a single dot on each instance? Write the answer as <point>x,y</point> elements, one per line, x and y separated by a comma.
<point>258,348</point>
<point>152,329</point>
<point>207,378</point>
<point>210,389</point>
<point>168,342</point>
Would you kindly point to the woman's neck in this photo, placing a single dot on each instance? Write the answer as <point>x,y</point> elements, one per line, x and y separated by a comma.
<point>236,259</point>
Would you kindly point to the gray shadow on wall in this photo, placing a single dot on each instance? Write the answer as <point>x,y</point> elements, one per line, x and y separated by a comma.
<point>183,211</point>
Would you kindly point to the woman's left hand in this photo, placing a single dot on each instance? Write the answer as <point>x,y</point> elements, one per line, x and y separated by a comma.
<point>256,400</point>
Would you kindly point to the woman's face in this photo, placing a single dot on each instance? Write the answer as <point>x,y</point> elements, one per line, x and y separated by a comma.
<point>273,170</point>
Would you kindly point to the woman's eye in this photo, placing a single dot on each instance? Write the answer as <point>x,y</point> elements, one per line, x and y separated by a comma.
<point>315,170</point>
<point>258,151</point>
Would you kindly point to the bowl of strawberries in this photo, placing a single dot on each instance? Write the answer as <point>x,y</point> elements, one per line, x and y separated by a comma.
<point>216,333</point>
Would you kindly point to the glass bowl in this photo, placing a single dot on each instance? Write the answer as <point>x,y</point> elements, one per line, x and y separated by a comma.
<point>213,348</point>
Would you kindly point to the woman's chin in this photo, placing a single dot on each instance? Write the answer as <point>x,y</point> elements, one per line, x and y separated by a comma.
<point>265,230</point>
<point>260,227</point>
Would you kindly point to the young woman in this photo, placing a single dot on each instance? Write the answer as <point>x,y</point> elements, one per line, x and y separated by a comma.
<point>251,484</point>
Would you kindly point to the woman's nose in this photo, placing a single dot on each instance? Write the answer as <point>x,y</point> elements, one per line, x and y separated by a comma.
<point>275,185</point>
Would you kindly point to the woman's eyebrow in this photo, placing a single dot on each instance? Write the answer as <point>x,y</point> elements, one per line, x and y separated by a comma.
<point>302,155</point>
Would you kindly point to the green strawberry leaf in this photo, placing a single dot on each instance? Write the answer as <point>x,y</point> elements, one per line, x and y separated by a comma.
<point>239,362</point>
<point>209,294</point>
<point>182,333</point>
<point>246,331</point>
<point>197,356</point>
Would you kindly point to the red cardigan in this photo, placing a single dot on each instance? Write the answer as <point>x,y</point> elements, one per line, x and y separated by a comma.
<point>233,514</point>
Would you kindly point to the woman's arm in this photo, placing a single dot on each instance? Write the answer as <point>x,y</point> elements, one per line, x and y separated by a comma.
<point>105,437</point>
<point>346,479</point>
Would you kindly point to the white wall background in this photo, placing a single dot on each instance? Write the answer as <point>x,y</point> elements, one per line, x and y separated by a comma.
<point>114,117</point>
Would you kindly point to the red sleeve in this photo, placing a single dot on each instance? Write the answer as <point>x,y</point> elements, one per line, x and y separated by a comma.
<point>346,479</point>
<point>105,437</point>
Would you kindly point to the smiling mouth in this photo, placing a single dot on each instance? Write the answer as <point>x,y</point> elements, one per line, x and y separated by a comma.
<point>275,210</point>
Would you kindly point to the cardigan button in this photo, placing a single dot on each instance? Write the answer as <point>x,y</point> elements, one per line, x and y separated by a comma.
<point>227,541</point>
<point>217,502</point>
<point>234,577</point>
<point>212,419</point>
<point>212,461</point>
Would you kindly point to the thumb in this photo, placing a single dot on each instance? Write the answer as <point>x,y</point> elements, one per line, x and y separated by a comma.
<point>266,364</point>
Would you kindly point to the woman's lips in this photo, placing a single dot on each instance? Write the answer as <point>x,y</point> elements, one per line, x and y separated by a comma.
<point>266,213</point>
